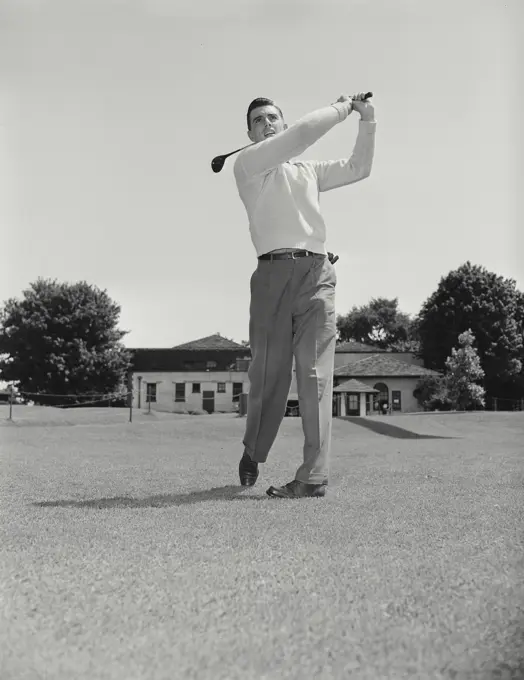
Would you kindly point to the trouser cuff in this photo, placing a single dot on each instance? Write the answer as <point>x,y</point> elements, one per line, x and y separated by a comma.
<point>313,479</point>
<point>260,459</point>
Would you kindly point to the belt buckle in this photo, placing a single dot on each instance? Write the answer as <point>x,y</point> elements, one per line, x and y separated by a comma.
<point>297,251</point>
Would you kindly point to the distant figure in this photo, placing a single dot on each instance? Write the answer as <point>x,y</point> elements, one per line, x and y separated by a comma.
<point>292,309</point>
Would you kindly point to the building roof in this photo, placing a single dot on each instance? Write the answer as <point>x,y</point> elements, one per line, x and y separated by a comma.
<point>382,366</point>
<point>353,346</point>
<point>214,357</point>
<point>210,342</point>
<point>355,386</point>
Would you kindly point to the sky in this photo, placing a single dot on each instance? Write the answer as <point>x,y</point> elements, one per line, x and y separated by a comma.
<point>110,114</point>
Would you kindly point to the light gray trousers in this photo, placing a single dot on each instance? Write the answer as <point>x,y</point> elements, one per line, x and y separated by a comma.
<point>292,313</point>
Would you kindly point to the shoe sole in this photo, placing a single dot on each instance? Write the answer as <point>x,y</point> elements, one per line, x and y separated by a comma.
<point>274,493</point>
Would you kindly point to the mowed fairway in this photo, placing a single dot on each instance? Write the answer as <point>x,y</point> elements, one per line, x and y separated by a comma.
<point>129,552</point>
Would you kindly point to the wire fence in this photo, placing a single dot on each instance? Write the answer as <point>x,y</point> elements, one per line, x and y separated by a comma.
<point>71,401</point>
<point>77,399</point>
<point>503,404</point>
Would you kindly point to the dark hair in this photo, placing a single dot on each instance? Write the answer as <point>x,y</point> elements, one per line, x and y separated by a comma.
<point>256,104</point>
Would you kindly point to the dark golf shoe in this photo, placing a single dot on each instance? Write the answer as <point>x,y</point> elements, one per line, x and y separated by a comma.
<point>248,470</point>
<point>296,489</point>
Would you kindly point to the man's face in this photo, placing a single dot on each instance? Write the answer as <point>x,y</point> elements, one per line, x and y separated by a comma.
<point>266,121</point>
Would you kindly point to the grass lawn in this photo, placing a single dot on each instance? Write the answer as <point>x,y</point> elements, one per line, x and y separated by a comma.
<point>129,552</point>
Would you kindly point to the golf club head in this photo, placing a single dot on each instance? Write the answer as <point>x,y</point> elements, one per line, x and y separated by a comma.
<point>218,163</point>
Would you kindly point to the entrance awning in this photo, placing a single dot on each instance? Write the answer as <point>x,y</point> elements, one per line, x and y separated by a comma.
<point>355,386</point>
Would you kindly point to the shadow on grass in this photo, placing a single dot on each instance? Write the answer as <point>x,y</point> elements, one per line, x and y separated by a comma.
<point>389,430</point>
<point>221,493</point>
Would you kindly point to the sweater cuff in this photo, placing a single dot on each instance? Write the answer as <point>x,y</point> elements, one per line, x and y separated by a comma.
<point>343,110</point>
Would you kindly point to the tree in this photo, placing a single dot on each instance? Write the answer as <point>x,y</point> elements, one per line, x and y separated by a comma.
<point>411,345</point>
<point>473,298</point>
<point>463,373</point>
<point>62,339</point>
<point>379,323</point>
<point>432,393</point>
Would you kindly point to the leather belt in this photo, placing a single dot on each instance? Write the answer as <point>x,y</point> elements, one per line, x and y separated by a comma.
<point>291,255</point>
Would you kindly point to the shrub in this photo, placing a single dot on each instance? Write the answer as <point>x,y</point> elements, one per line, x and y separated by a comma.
<point>432,393</point>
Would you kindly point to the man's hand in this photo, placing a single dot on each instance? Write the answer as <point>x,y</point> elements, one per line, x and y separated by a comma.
<point>332,258</point>
<point>364,107</point>
<point>359,104</point>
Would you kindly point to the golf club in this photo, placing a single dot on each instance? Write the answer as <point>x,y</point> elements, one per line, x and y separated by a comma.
<point>218,162</point>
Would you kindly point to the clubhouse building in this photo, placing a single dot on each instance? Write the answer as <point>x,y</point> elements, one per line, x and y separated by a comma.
<point>211,373</point>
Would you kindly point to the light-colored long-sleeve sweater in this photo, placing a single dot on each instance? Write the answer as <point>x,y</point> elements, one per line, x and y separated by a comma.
<point>281,196</point>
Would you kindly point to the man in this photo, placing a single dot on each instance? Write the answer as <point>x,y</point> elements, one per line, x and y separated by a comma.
<point>292,308</point>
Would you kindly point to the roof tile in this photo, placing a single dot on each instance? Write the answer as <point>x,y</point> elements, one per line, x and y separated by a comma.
<point>382,366</point>
<point>211,342</point>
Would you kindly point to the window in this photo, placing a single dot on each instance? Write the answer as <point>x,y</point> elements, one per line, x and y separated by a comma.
<point>221,387</point>
<point>196,388</point>
<point>242,364</point>
<point>194,365</point>
<point>180,391</point>
<point>150,393</point>
<point>238,388</point>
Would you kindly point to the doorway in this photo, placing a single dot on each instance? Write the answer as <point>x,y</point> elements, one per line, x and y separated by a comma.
<point>352,404</point>
<point>208,401</point>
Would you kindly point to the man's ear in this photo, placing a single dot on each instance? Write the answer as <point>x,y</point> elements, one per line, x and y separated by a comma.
<point>285,126</point>
<point>250,135</point>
